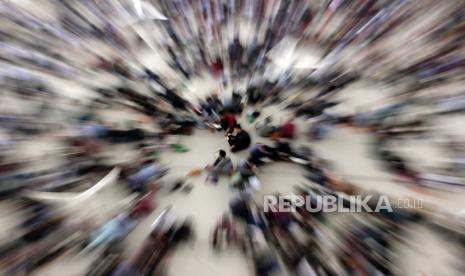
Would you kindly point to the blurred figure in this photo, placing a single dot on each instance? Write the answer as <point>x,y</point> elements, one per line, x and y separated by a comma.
<point>222,166</point>
<point>140,177</point>
<point>217,67</point>
<point>228,121</point>
<point>114,230</point>
<point>265,128</point>
<point>239,139</point>
<point>236,52</point>
<point>224,233</point>
<point>258,152</point>
<point>288,129</point>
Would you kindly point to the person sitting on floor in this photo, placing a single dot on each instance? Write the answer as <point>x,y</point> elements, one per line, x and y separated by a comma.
<point>141,177</point>
<point>287,129</point>
<point>264,258</point>
<point>246,168</point>
<point>223,229</point>
<point>258,152</point>
<point>320,129</point>
<point>265,127</point>
<point>114,230</point>
<point>246,171</point>
<point>281,149</point>
<point>227,121</point>
<point>145,204</point>
<point>222,165</point>
<point>252,115</point>
<point>239,139</point>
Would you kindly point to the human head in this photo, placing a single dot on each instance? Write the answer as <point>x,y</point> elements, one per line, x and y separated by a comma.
<point>237,128</point>
<point>222,153</point>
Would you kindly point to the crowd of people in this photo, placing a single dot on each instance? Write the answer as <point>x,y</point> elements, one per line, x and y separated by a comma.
<point>52,52</point>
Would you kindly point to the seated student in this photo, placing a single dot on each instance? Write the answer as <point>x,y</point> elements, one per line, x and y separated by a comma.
<point>236,103</point>
<point>241,179</point>
<point>265,260</point>
<point>223,229</point>
<point>320,129</point>
<point>265,128</point>
<point>114,230</point>
<point>287,129</point>
<point>227,121</point>
<point>165,233</point>
<point>252,114</point>
<point>246,168</point>
<point>258,152</point>
<point>145,204</point>
<point>217,67</point>
<point>279,218</point>
<point>142,177</point>
<point>236,52</point>
<point>93,130</point>
<point>281,150</point>
<point>222,165</point>
<point>125,136</point>
<point>210,108</point>
<point>239,206</point>
<point>239,140</point>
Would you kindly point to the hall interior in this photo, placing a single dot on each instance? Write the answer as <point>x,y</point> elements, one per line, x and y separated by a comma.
<point>73,68</point>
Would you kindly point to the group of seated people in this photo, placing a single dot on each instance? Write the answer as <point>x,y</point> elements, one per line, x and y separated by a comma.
<point>116,229</point>
<point>259,238</point>
<point>244,173</point>
<point>166,232</point>
<point>299,238</point>
<point>238,138</point>
<point>258,155</point>
<point>266,128</point>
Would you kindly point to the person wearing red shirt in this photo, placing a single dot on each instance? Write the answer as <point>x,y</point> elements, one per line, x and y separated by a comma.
<point>288,129</point>
<point>228,121</point>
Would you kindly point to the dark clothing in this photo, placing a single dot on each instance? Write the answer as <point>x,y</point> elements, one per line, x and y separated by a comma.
<point>177,64</point>
<point>281,150</point>
<point>239,209</point>
<point>154,77</point>
<point>236,51</point>
<point>254,95</point>
<point>258,152</point>
<point>142,101</point>
<point>175,100</point>
<point>253,53</point>
<point>125,136</point>
<point>121,70</point>
<point>240,141</point>
<point>236,106</point>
